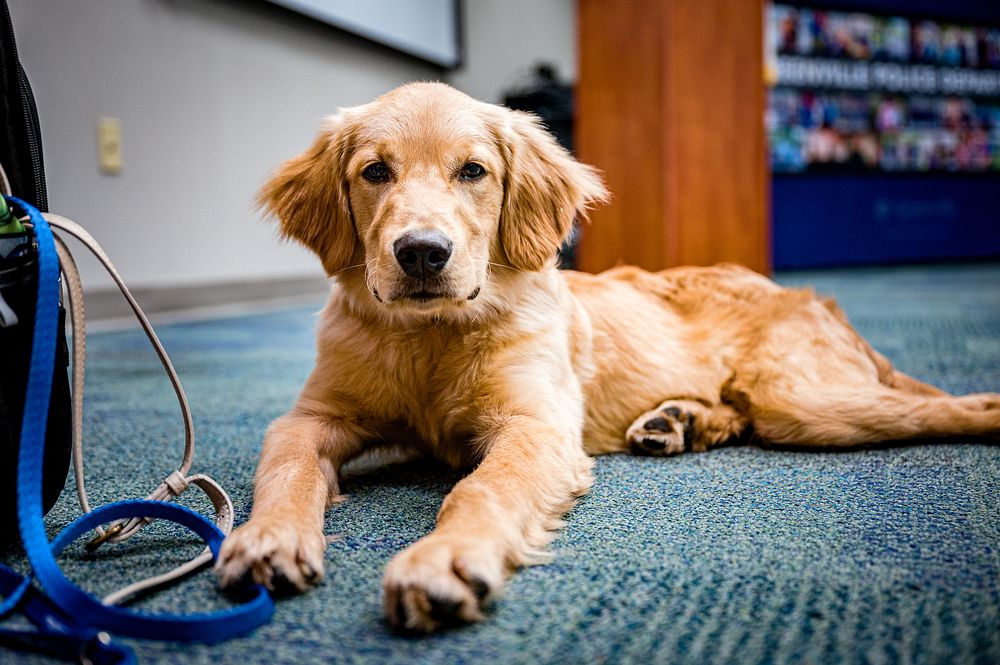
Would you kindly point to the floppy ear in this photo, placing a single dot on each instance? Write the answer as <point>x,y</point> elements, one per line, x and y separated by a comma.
<point>545,189</point>
<point>309,196</point>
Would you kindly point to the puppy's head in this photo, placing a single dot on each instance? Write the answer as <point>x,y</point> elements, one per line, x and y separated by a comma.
<point>419,195</point>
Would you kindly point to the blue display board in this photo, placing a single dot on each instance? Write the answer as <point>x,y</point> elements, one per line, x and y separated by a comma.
<point>884,128</point>
<point>837,220</point>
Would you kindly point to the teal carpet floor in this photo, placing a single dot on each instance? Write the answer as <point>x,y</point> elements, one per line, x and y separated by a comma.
<point>740,555</point>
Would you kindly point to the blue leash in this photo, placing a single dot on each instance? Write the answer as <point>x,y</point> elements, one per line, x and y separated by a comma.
<point>70,620</point>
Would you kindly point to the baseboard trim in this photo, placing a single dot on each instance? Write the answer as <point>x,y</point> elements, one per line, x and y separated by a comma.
<point>108,304</point>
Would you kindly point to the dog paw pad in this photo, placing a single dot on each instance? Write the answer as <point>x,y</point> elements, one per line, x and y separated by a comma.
<point>667,430</point>
<point>657,424</point>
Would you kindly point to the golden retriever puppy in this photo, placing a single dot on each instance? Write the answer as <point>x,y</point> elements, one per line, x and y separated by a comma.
<point>450,331</point>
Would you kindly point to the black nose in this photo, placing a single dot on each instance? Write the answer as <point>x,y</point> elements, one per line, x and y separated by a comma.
<point>422,254</point>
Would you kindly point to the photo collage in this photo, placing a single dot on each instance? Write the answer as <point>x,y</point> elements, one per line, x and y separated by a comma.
<point>824,130</point>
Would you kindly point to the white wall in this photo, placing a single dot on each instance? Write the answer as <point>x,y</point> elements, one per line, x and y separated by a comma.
<point>212,95</point>
<point>505,39</point>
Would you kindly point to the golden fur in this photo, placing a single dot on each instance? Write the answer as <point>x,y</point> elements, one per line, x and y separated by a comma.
<point>517,369</point>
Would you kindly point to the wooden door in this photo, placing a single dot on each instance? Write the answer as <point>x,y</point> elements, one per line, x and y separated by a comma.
<point>670,105</point>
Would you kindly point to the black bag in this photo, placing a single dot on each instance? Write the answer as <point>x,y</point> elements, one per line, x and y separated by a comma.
<point>21,156</point>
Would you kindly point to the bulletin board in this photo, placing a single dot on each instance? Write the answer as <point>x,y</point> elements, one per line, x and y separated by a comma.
<point>883,124</point>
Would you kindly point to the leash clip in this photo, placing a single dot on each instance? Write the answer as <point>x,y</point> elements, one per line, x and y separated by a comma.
<point>99,649</point>
<point>105,537</point>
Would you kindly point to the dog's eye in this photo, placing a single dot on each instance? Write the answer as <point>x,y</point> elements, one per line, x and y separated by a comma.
<point>471,171</point>
<point>377,172</point>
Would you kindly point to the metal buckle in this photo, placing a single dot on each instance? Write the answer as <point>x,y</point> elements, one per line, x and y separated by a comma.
<point>105,537</point>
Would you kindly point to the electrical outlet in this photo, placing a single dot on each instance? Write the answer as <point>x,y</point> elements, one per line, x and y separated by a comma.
<point>109,146</point>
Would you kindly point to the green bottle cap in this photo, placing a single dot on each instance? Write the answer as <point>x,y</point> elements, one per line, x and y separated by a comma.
<point>9,223</point>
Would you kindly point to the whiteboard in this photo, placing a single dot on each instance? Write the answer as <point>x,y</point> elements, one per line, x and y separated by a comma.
<point>427,29</point>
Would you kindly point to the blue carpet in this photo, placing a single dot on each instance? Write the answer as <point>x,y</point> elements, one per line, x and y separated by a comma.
<point>738,555</point>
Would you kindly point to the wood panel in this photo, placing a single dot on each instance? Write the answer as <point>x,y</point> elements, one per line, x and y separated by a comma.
<point>670,105</point>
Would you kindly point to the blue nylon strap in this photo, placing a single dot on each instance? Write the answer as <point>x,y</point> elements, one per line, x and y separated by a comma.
<point>58,633</point>
<point>83,610</point>
<point>12,587</point>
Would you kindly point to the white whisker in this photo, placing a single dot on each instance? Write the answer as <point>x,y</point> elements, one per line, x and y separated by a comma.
<point>500,265</point>
<point>370,274</point>
<point>356,265</point>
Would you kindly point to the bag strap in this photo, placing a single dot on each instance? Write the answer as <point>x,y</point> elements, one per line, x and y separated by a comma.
<point>80,609</point>
<point>21,140</point>
<point>175,483</point>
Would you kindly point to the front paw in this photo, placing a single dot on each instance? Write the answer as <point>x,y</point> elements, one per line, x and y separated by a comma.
<point>439,581</point>
<point>279,553</point>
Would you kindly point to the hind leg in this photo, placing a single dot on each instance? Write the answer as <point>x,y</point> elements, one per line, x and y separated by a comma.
<point>844,415</point>
<point>679,425</point>
<point>811,379</point>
